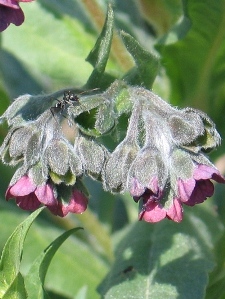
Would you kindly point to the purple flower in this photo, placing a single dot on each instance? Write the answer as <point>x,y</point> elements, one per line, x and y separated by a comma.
<point>191,191</point>
<point>153,211</point>
<point>10,12</point>
<point>153,208</point>
<point>77,204</point>
<point>29,197</point>
<point>196,189</point>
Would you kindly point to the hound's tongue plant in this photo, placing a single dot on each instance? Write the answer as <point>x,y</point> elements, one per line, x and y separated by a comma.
<point>109,154</point>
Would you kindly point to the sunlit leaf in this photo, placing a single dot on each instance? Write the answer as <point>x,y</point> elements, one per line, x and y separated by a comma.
<point>12,253</point>
<point>195,64</point>
<point>146,63</point>
<point>164,260</point>
<point>17,289</point>
<point>99,55</point>
<point>36,276</point>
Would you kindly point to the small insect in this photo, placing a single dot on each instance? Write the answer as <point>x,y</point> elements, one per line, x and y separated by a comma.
<point>69,99</point>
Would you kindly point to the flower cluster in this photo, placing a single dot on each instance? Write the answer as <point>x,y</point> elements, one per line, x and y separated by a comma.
<point>50,166</point>
<point>161,161</point>
<point>10,12</point>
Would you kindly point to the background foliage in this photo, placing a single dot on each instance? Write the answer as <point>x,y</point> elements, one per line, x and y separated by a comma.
<point>116,256</point>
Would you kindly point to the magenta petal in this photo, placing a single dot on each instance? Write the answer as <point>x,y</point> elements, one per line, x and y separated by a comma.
<point>22,187</point>
<point>175,212</point>
<point>205,172</point>
<point>28,202</point>
<point>203,189</point>
<point>152,212</point>
<point>185,189</point>
<point>10,3</point>
<point>16,16</point>
<point>78,202</point>
<point>57,209</point>
<point>10,15</point>
<point>62,210</point>
<point>45,195</point>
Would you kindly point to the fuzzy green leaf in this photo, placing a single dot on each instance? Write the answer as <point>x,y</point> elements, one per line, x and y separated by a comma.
<point>99,55</point>
<point>164,260</point>
<point>146,64</point>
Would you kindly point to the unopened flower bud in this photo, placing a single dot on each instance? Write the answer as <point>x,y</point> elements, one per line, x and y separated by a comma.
<point>210,138</point>
<point>148,171</point>
<point>92,155</point>
<point>117,167</point>
<point>56,156</point>
<point>185,127</point>
<point>63,162</point>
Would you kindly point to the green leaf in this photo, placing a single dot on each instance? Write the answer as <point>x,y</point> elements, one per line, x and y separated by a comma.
<point>36,276</point>
<point>82,294</point>
<point>146,63</point>
<point>123,103</point>
<point>78,263</point>
<point>99,55</point>
<point>195,64</point>
<point>165,260</point>
<point>12,253</point>
<point>16,289</point>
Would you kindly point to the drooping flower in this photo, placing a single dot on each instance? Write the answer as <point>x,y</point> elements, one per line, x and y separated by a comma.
<point>10,12</point>
<point>180,190</point>
<point>196,189</point>
<point>77,204</point>
<point>151,210</point>
<point>51,169</point>
<point>30,196</point>
<point>147,172</point>
<point>171,169</point>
